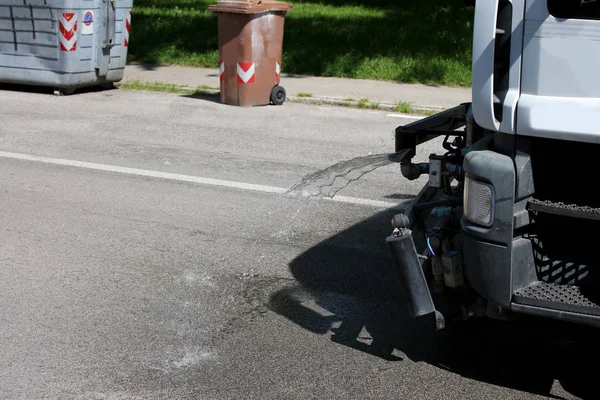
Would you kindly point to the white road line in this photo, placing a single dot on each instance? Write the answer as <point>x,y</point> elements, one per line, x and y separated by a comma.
<point>365,202</point>
<point>185,178</point>
<point>404,116</point>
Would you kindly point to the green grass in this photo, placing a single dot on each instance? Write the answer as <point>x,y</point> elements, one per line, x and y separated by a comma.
<point>304,95</point>
<point>167,88</point>
<point>404,107</point>
<point>426,41</point>
<point>363,103</point>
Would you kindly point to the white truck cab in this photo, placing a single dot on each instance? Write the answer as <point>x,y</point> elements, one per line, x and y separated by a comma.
<point>507,222</point>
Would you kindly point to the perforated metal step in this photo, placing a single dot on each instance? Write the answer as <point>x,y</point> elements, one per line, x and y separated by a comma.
<point>560,297</point>
<point>567,210</point>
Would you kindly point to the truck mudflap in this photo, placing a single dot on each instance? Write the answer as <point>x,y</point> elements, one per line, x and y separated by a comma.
<point>412,277</point>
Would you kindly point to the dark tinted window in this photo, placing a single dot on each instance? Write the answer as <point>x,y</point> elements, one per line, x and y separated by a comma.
<point>578,9</point>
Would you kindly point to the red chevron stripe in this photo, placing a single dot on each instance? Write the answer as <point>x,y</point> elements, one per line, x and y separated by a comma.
<point>63,48</point>
<point>246,66</point>
<point>67,34</point>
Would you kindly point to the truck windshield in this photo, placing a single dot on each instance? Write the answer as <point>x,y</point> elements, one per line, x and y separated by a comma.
<point>575,9</point>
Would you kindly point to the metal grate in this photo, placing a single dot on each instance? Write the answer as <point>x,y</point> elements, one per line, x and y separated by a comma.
<point>560,297</point>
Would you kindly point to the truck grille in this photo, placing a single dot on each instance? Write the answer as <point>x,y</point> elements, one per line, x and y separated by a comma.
<point>563,237</point>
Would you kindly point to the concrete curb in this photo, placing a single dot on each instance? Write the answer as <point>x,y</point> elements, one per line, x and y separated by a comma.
<point>358,104</point>
<point>415,110</point>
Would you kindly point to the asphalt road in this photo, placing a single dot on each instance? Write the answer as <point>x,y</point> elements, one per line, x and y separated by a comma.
<point>146,253</point>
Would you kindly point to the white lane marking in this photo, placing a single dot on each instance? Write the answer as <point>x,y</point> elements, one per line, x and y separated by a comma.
<point>185,178</point>
<point>364,202</point>
<point>404,116</point>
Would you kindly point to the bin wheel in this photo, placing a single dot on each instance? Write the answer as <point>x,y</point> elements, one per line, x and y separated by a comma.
<point>278,95</point>
<point>64,91</point>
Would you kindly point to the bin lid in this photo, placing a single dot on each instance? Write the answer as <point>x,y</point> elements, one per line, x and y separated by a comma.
<point>250,6</point>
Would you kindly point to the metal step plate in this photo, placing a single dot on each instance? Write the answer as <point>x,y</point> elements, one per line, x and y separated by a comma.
<point>560,297</point>
<point>567,210</point>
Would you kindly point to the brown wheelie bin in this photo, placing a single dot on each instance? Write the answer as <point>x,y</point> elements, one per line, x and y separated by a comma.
<point>250,46</point>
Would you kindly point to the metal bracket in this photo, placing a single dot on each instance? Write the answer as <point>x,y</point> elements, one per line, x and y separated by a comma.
<point>444,123</point>
<point>107,36</point>
<point>435,171</point>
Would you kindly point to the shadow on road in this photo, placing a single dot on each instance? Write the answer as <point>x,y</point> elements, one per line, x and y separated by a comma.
<point>347,287</point>
<point>211,98</point>
<point>49,90</point>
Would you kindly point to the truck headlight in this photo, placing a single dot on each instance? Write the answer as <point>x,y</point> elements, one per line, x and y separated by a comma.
<point>479,202</point>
